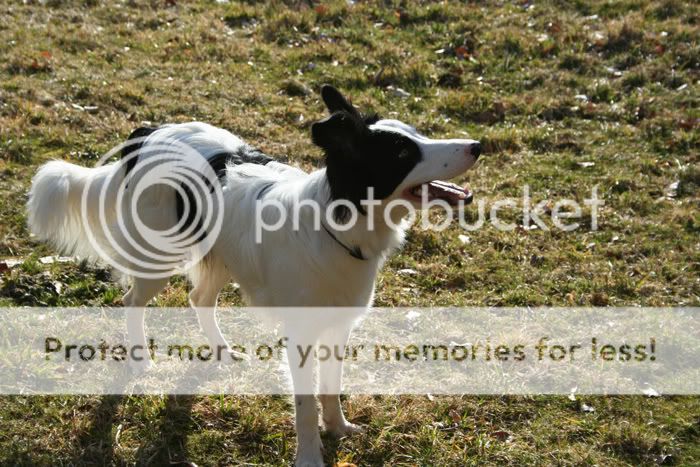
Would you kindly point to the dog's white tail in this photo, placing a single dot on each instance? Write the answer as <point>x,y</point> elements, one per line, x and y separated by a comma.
<point>55,208</point>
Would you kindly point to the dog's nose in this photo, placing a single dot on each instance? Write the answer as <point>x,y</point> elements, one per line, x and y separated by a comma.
<point>475,149</point>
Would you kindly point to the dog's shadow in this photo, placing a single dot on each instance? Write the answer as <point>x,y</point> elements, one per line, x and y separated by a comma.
<point>170,445</point>
<point>164,444</point>
<point>96,444</point>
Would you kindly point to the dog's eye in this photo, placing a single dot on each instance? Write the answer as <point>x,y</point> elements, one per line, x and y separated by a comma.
<point>403,153</point>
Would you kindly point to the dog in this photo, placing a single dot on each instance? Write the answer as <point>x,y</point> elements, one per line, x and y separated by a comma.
<point>310,266</point>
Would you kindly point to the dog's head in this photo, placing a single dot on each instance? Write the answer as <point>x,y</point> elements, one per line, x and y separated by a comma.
<point>388,156</point>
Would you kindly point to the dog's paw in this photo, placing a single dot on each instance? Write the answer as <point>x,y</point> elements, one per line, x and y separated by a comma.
<point>310,454</point>
<point>340,430</point>
<point>309,460</point>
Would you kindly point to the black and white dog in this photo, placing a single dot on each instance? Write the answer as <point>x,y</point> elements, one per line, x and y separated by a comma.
<point>309,266</point>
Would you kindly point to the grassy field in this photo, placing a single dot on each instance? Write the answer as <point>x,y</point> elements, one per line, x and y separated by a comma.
<point>564,95</point>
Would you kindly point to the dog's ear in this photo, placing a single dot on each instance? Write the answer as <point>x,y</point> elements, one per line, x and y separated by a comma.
<point>342,138</point>
<point>338,134</point>
<point>334,100</point>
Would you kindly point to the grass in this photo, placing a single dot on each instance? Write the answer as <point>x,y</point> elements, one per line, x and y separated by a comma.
<point>545,86</point>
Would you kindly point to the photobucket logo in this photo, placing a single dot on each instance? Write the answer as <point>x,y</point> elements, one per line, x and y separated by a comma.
<point>155,211</point>
<point>566,215</point>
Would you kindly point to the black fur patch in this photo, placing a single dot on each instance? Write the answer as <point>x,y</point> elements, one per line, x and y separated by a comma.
<point>358,158</point>
<point>218,162</point>
<point>141,132</point>
<point>244,155</point>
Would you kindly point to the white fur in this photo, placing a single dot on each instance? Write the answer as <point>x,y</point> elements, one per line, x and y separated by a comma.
<point>290,268</point>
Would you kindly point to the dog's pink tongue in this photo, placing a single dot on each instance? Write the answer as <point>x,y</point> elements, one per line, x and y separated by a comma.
<point>450,192</point>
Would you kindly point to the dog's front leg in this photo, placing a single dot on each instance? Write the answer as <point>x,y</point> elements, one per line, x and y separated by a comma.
<point>309,446</point>
<point>300,354</point>
<point>330,379</point>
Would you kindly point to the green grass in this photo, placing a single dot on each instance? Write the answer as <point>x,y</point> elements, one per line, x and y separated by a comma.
<point>510,74</point>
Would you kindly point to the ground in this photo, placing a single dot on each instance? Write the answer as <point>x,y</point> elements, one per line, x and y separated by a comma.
<point>565,96</point>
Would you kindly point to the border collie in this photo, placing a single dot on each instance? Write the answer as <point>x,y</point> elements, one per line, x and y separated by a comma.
<point>306,267</point>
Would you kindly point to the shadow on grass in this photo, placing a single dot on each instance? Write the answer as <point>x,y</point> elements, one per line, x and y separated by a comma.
<point>165,443</point>
<point>169,447</point>
<point>168,443</point>
<point>95,446</point>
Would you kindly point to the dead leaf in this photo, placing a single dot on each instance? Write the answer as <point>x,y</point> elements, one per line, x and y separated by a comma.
<point>688,124</point>
<point>55,259</point>
<point>455,416</point>
<point>398,92</point>
<point>408,272</point>
<point>672,189</point>
<point>502,435</point>
<point>554,28</point>
<point>587,408</point>
<point>7,264</point>
<point>321,9</point>
<point>118,434</point>
<point>461,52</point>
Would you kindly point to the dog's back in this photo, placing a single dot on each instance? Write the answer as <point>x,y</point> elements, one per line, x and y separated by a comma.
<point>77,209</point>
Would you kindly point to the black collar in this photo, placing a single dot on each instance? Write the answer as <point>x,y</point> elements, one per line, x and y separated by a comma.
<point>355,251</point>
<point>264,190</point>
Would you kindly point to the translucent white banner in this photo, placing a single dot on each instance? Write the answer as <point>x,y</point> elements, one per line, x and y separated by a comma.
<point>390,351</point>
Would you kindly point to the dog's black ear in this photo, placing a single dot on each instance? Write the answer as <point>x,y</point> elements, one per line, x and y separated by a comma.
<point>342,138</point>
<point>335,101</point>
<point>338,134</point>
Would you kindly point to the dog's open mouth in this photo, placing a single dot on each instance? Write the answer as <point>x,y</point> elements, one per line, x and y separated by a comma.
<point>437,189</point>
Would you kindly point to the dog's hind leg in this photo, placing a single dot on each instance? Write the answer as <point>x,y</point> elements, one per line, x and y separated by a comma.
<point>208,280</point>
<point>138,296</point>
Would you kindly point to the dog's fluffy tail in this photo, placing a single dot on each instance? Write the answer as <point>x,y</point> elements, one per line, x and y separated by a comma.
<point>55,208</point>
